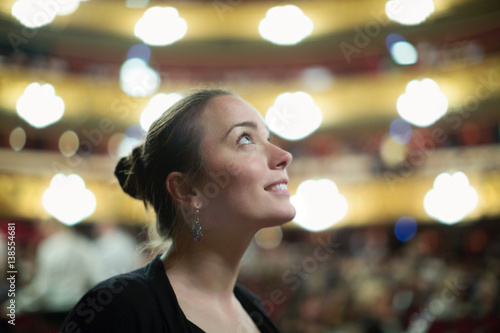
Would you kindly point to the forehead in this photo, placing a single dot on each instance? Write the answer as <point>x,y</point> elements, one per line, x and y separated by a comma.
<point>222,112</point>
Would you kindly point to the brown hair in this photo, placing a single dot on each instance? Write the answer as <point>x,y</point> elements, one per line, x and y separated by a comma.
<point>173,143</point>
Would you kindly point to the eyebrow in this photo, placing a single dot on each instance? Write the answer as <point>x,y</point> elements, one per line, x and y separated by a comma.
<point>250,124</point>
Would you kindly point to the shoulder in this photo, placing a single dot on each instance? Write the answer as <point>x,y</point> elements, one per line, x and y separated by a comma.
<point>129,286</point>
<point>118,304</point>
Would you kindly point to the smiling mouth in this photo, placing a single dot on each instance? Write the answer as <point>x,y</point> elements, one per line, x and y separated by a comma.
<point>281,186</point>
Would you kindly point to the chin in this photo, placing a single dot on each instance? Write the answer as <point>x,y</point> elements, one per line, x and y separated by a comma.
<point>286,217</point>
<point>293,212</point>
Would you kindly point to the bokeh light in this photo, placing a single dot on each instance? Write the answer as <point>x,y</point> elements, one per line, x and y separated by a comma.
<point>135,131</point>
<point>134,135</point>
<point>391,152</point>
<point>127,145</point>
<point>69,143</point>
<point>160,26</point>
<point>39,106</point>
<point>136,3</point>
<point>68,200</point>
<point>141,51</point>
<point>17,139</point>
<point>317,79</point>
<point>293,116</point>
<point>157,105</point>
<point>31,14</point>
<point>318,204</point>
<point>391,39</point>
<point>403,53</point>
<point>269,238</point>
<point>405,228</point>
<point>37,13</point>
<point>401,131</point>
<point>451,198</point>
<point>285,25</point>
<point>409,12</point>
<point>137,79</point>
<point>423,103</point>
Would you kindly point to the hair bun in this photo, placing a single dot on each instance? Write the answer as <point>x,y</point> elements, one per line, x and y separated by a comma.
<point>128,172</point>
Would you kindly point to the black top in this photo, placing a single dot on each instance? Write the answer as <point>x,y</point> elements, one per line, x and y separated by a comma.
<point>144,301</point>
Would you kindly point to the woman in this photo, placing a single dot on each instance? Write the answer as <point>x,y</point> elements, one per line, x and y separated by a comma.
<point>213,177</point>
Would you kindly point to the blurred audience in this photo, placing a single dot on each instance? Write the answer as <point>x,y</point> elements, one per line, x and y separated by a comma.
<point>66,267</point>
<point>445,279</point>
<point>369,282</point>
<point>57,264</point>
<point>118,250</point>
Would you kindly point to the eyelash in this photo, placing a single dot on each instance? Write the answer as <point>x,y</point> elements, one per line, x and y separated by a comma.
<point>244,134</point>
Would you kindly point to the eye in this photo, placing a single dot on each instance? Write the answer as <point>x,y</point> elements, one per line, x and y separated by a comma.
<point>245,136</point>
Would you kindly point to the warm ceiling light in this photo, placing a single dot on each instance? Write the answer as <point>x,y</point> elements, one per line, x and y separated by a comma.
<point>39,105</point>
<point>423,103</point>
<point>68,200</point>
<point>294,116</point>
<point>33,13</point>
<point>409,12</point>
<point>157,105</point>
<point>285,25</point>
<point>160,26</point>
<point>318,204</point>
<point>451,198</point>
<point>37,13</point>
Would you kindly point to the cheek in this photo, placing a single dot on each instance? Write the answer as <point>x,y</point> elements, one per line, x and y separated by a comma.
<point>242,176</point>
<point>250,177</point>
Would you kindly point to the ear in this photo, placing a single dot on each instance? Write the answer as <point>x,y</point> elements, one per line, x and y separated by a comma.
<point>180,188</point>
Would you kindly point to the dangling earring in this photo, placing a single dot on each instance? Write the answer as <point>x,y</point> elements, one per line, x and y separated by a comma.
<point>196,231</point>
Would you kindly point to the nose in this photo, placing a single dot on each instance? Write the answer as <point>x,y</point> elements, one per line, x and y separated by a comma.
<point>280,158</point>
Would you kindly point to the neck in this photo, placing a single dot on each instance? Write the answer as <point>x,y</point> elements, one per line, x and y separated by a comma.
<point>211,265</point>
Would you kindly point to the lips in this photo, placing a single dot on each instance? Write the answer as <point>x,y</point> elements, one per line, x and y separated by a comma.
<point>280,184</point>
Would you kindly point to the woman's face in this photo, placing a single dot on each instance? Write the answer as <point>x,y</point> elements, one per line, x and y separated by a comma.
<point>242,165</point>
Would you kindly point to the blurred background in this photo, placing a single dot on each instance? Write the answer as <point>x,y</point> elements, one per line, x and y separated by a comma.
<point>390,109</point>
